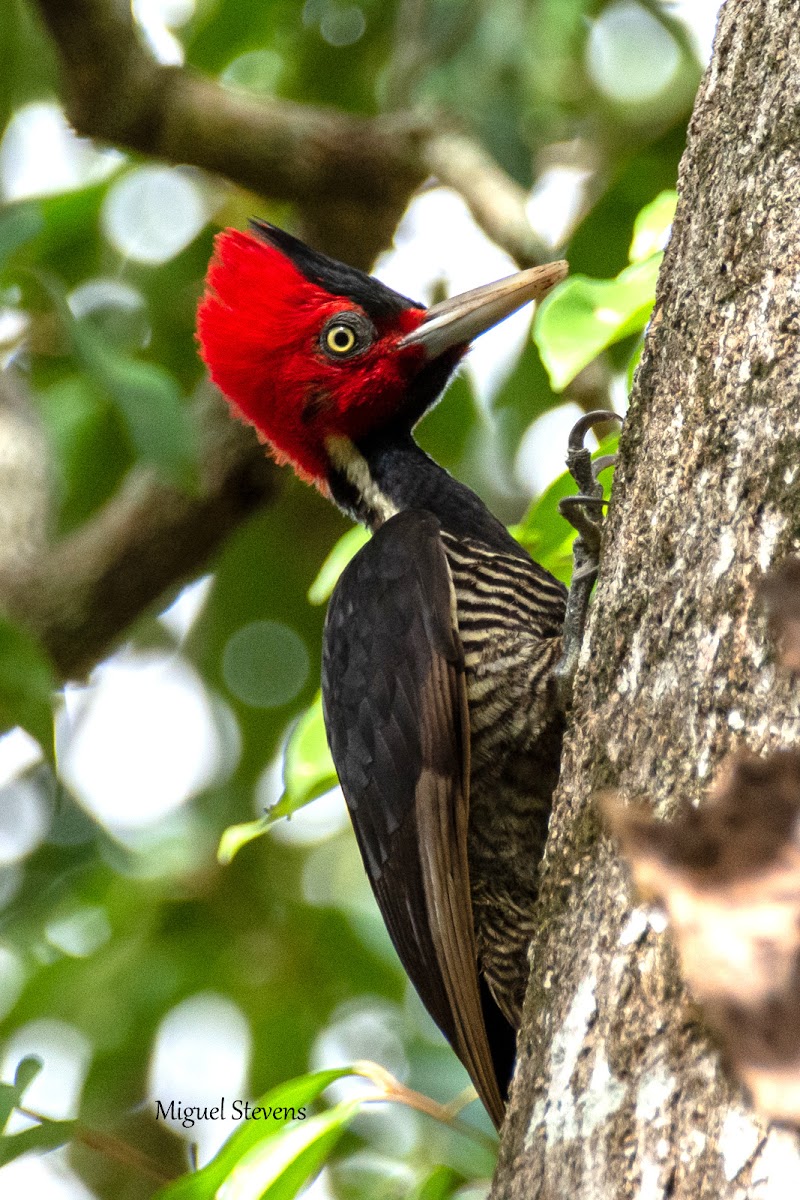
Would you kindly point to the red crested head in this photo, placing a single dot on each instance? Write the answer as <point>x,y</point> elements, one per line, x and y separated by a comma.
<point>309,350</point>
<point>304,348</point>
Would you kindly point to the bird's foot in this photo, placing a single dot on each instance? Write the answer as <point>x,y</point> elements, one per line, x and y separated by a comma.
<point>585,513</point>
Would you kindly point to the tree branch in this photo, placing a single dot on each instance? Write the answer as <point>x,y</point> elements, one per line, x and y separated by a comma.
<point>351,178</point>
<point>24,475</point>
<point>81,595</point>
<point>496,201</point>
<point>323,160</point>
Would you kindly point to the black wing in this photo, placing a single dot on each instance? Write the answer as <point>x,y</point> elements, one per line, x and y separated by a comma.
<point>395,708</point>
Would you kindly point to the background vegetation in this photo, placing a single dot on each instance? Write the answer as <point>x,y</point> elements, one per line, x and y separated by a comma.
<point>133,962</point>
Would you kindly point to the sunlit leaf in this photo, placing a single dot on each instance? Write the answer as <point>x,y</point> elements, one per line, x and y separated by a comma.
<point>27,683</point>
<point>308,769</point>
<point>652,225</point>
<point>237,836</point>
<point>308,772</point>
<point>584,316</point>
<point>279,1168</point>
<point>259,1136</point>
<point>346,548</point>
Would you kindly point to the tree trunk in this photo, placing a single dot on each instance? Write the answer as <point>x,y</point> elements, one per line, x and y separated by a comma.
<point>619,1090</point>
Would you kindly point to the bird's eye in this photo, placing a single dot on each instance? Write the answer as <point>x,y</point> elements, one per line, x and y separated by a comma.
<point>340,339</point>
<point>347,334</point>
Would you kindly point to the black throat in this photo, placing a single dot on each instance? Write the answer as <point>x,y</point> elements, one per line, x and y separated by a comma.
<point>389,473</point>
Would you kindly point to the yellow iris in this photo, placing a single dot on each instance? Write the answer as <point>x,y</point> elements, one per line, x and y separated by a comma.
<point>340,339</point>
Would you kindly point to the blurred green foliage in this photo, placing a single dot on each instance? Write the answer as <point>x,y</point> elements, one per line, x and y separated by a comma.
<point>583,317</point>
<point>287,932</point>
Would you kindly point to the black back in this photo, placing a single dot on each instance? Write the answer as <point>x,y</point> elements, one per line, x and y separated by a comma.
<point>394,699</point>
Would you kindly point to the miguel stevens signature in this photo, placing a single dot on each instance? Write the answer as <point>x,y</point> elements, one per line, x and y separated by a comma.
<point>188,1114</point>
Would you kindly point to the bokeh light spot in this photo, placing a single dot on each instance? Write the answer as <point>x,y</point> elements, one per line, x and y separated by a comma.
<point>316,822</point>
<point>343,26</point>
<point>540,457</point>
<point>265,664</point>
<point>115,308</point>
<point>140,741</point>
<point>630,55</point>
<point>256,71</point>
<point>24,818</point>
<point>41,155</point>
<point>152,213</point>
<point>201,1052</point>
<point>156,19</point>
<point>81,932</point>
<point>438,242</point>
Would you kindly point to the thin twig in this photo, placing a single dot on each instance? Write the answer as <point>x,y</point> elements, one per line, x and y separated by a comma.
<point>111,1147</point>
<point>392,1089</point>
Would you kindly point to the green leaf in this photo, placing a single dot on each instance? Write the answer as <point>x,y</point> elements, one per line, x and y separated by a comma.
<point>259,1136</point>
<point>90,445</point>
<point>582,317</point>
<point>30,70</point>
<point>438,1185</point>
<point>11,1094</point>
<point>9,1099</point>
<point>308,772</point>
<point>27,1070</point>
<point>19,224</point>
<point>236,836</point>
<point>27,683</point>
<point>308,769</point>
<point>45,1136</point>
<point>278,1169</point>
<point>652,225</point>
<point>543,531</point>
<point>346,548</point>
<point>150,402</point>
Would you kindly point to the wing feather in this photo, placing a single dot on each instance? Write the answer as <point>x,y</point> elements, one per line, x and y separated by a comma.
<point>395,705</point>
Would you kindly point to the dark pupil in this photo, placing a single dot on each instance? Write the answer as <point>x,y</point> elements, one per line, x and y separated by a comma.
<point>341,339</point>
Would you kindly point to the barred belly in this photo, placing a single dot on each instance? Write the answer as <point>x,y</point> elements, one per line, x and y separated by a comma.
<point>510,618</point>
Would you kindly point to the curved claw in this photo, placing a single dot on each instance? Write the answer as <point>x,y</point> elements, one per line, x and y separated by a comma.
<point>587,422</point>
<point>585,513</point>
<point>601,463</point>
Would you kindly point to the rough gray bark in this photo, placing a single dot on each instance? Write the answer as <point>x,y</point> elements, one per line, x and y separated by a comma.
<point>619,1091</point>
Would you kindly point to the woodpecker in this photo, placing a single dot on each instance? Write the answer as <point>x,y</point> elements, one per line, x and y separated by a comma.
<point>442,697</point>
